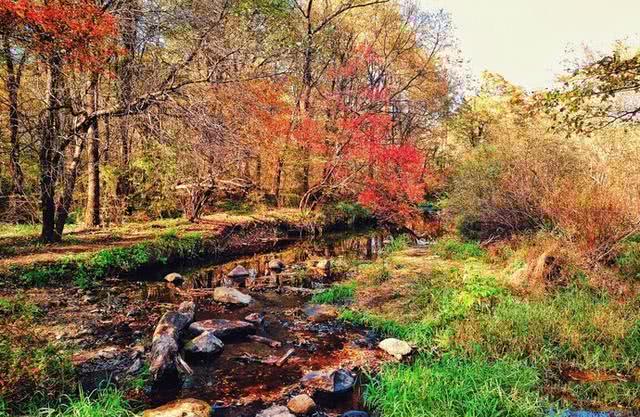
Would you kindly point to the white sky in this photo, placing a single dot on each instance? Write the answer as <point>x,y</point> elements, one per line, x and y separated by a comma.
<point>526,41</point>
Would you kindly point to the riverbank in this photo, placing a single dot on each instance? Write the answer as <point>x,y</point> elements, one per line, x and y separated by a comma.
<point>492,338</point>
<point>90,255</point>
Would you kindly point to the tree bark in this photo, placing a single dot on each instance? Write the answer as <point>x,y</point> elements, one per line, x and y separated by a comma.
<point>48,148</point>
<point>12,85</point>
<point>92,211</point>
<point>66,199</point>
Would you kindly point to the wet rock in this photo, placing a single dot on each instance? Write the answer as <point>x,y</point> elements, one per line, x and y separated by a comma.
<point>333,381</point>
<point>275,411</point>
<point>230,296</point>
<point>354,413</point>
<point>204,344</point>
<point>188,407</point>
<point>395,347</point>
<point>222,328</point>
<point>174,278</point>
<point>276,265</point>
<point>301,404</point>
<point>255,318</point>
<point>343,381</point>
<point>319,313</point>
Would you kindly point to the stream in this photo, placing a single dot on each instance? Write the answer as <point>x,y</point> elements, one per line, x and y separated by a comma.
<point>243,379</point>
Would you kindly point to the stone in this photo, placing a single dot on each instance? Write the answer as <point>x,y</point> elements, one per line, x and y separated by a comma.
<point>395,347</point>
<point>188,407</point>
<point>332,381</point>
<point>107,363</point>
<point>222,328</point>
<point>319,313</point>
<point>238,271</point>
<point>276,265</point>
<point>255,318</point>
<point>301,404</point>
<point>174,278</point>
<point>354,413</point>
<point>324,264</point>
<point>229,295</point>
<point>207,343</point>
<point>275,411</point>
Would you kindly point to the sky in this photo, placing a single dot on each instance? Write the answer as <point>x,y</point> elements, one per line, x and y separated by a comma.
<point>527,41</point>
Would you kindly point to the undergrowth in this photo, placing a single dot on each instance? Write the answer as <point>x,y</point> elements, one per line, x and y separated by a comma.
<point>337,294</point>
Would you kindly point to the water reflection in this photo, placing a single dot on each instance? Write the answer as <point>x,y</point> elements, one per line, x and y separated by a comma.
<point>299,259</point>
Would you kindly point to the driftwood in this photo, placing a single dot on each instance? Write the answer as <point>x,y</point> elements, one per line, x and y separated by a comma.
<point>284,357</point>
<point>265,340</point>
<point>164,358</point>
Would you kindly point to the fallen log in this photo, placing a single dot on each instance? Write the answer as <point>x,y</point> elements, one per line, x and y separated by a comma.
<point>164,358</point>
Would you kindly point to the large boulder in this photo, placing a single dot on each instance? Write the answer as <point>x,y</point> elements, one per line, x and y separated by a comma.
<point>301,404</point>
<point>275,411</point>
<point>230,296</point>
<point>222,328</point>
<point>188,407</point>
<point>395,347</point>
<point>332,381</point>
<point>319,313</point>
<point>207,343</point>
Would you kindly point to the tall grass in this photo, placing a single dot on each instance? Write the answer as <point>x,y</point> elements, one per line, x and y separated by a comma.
<point>108,402</point>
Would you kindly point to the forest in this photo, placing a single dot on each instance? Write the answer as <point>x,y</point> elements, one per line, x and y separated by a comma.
<point>301,207</point>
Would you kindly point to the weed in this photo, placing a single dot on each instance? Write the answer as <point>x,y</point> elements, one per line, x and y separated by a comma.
<point>629,260</point>
<point>337,294</point>
<point>397,244</point>
<point>18,308</point>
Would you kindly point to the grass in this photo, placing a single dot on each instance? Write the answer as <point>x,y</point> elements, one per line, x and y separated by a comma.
<point>454,249</point>
<point>87,269</point>
<point>477,336</point>
<point>337,294</point>
<point>108,402</point>
<point>33,370</point>
<point>452,387</point>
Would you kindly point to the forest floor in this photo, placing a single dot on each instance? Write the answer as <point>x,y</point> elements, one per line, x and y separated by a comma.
<point>19,245</point>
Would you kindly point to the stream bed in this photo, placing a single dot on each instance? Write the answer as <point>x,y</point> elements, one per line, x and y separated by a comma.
<point>245,377</point>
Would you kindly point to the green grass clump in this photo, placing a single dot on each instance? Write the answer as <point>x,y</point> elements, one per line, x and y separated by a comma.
<point>337,294</point>
<point>452,387</point>
<point>397,244</point>
<point>629,259</point>
<point>18,308</point>
<point>456,250</point>
<point>109,402</point>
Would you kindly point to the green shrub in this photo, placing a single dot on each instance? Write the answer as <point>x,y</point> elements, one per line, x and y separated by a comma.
<point>454,249</point>
<point>337,294</point>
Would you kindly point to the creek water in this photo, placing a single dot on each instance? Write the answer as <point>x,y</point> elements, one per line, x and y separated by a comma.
<point>244,378</point>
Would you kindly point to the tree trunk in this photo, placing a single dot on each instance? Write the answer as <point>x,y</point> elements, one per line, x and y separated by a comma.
<point>92,212</point>
<point>66,199</point>
<point>277,185</point>
<point>12,84</point>
<point>48,148</point>
<point>128,29</point>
